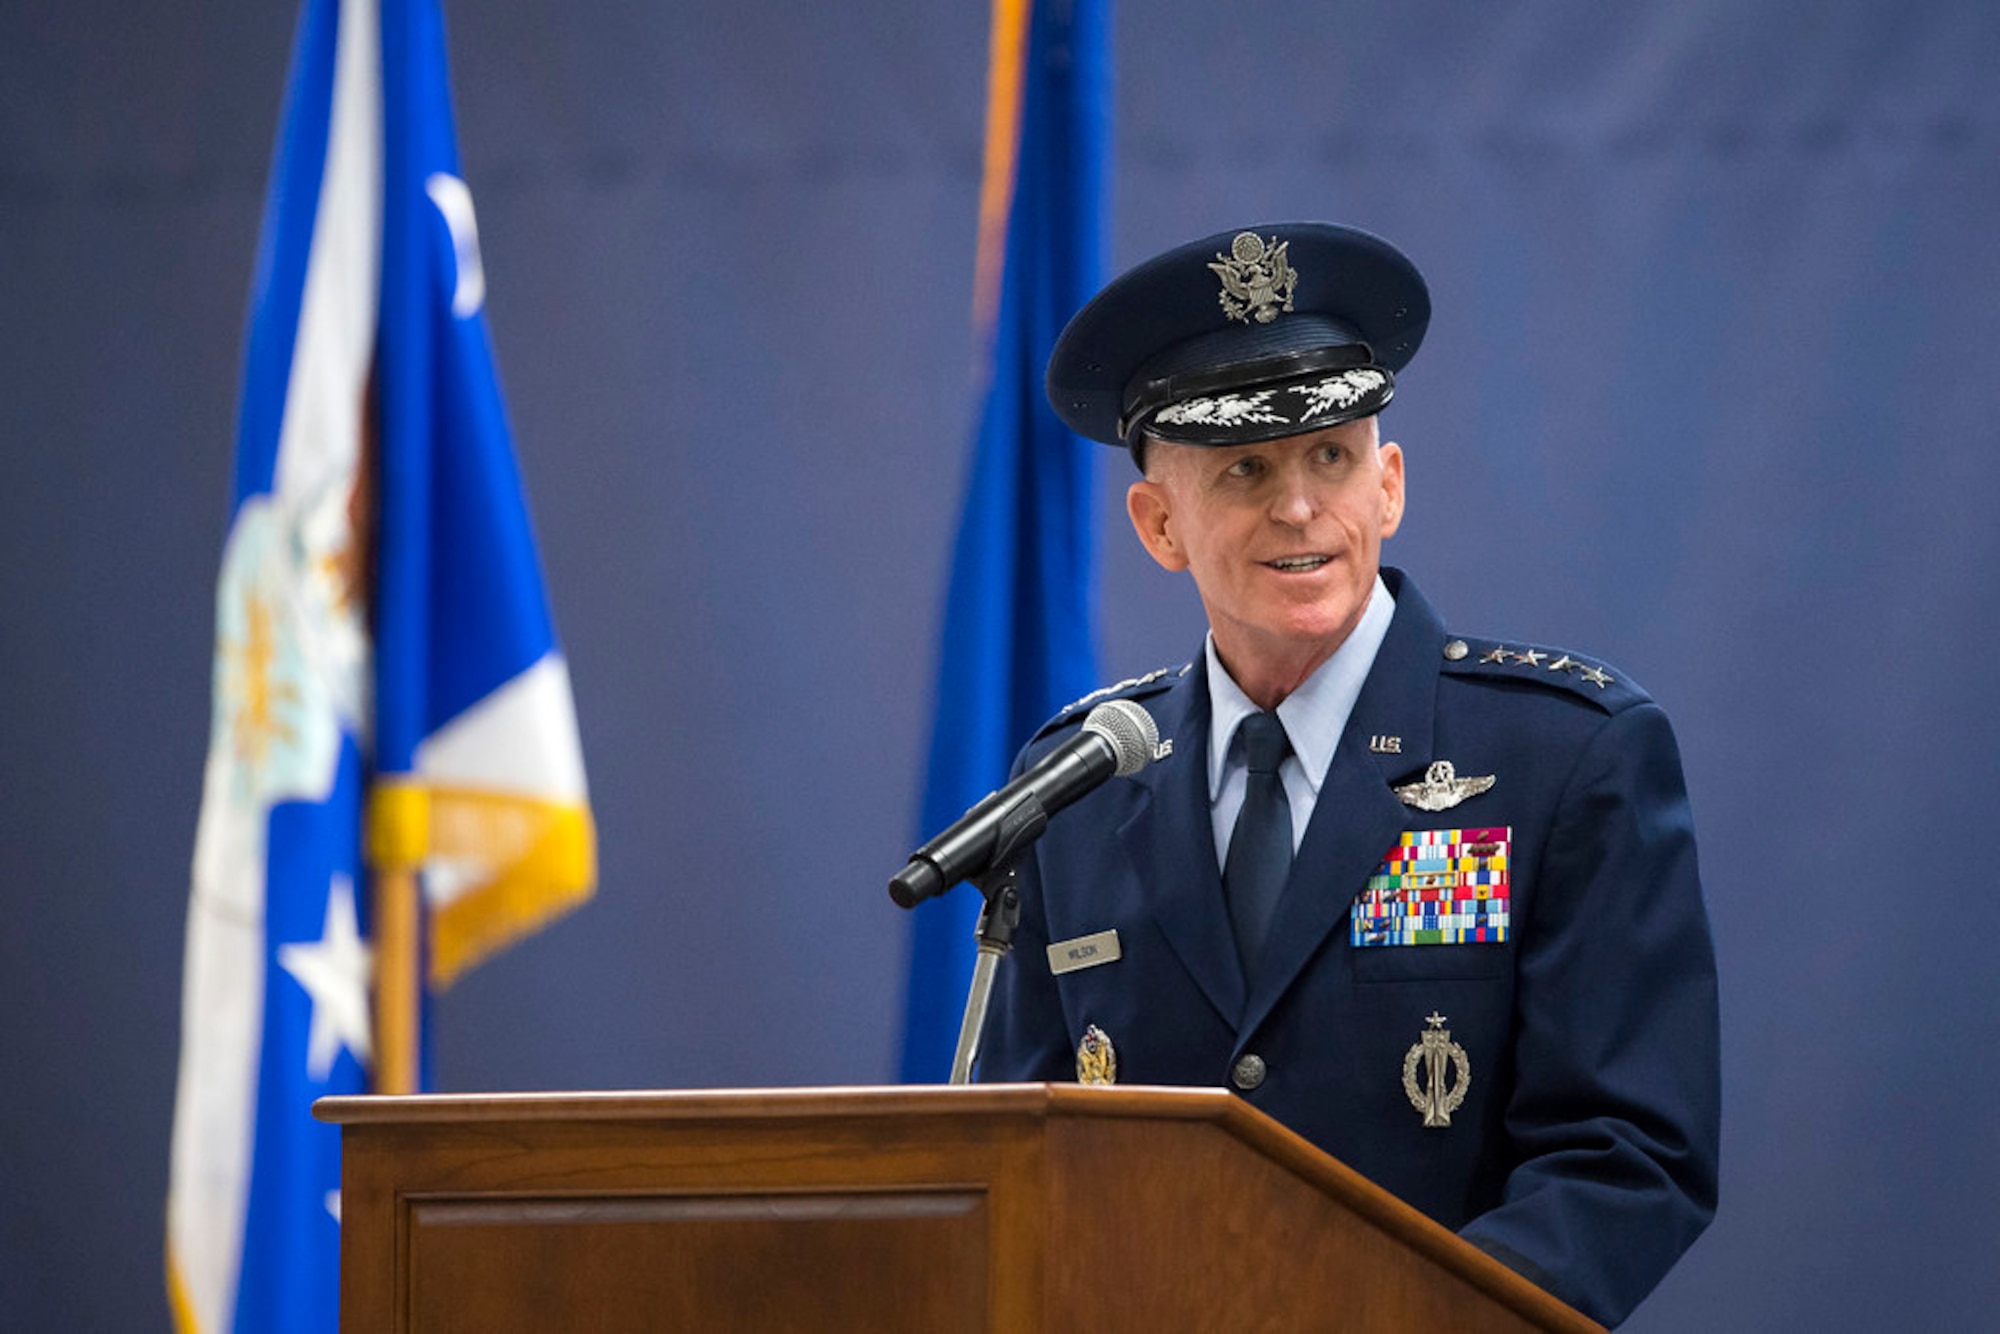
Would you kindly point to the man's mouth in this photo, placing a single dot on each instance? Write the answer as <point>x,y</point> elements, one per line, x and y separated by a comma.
<point>1297,564</point>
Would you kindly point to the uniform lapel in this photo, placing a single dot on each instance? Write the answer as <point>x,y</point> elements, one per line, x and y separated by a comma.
<point>1170,842</point>
<point>1357,817</point>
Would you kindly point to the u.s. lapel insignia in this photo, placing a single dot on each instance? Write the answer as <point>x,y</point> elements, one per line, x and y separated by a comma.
<point>1442,788</point>
<point>1436,1056</point>
<point>1097,1059</point>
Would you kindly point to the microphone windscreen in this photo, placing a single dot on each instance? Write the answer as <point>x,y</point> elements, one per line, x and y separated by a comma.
<point>1133,735</point>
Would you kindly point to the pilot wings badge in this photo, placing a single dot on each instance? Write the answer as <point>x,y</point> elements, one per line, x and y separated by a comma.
<point>1257,278</point>
<point>1442,788</point>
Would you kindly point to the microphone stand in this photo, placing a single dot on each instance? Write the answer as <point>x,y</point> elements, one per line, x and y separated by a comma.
<point>995,934</point>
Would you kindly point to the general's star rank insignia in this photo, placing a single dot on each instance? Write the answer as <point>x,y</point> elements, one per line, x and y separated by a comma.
<point>1442,788</point>
<point>1096,1059</point>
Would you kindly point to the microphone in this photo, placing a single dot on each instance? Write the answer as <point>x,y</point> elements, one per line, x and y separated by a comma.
<point>1117,738</point>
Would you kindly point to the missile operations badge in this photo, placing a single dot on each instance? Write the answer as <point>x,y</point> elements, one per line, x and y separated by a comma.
<point>1435,1058</point>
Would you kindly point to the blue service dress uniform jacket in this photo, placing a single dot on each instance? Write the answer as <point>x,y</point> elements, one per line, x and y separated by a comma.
<point>1584,1151</point>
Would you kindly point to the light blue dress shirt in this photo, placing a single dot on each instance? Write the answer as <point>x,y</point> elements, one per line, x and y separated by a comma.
<point>1314,716</point>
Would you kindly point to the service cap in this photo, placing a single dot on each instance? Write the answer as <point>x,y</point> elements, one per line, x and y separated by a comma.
<point>1243,336</point>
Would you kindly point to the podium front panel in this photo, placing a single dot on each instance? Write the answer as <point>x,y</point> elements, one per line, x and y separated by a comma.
<point>886,1260</point>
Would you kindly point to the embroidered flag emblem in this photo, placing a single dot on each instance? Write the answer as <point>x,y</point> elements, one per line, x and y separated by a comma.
<point>1437,887</point>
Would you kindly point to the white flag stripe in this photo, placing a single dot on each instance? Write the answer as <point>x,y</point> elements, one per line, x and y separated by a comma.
<point>521,738</point>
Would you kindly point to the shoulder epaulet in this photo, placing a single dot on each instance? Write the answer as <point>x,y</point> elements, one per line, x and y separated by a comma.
<point>1536,664</point>
<point>1137,687</point>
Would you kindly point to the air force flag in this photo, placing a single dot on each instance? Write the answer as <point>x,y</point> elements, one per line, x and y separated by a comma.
<point>1018,623</point>
<point>389,696</point>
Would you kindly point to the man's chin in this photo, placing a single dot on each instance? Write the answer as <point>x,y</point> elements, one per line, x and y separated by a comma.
<point>1306,629</point>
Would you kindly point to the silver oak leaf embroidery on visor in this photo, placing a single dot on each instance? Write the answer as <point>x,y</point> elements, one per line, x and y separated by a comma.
<point>1221,410</point>
<point>1339,391</point>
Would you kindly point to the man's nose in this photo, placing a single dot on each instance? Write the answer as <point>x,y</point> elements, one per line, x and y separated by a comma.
<point>1294,502</point>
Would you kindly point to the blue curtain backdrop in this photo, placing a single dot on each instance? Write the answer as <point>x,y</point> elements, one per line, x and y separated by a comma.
<point>1707,394</point>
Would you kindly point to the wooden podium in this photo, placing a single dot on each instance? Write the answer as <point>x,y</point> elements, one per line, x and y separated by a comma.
<point>993,1207</point>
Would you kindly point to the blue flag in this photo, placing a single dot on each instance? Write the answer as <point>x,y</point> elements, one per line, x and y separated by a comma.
<point>356,707</point>
<point>481,782</point>
<point>1018,626</point>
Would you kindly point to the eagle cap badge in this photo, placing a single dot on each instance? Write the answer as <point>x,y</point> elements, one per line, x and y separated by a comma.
<point>1441,788</point>
<point>1257,278</point>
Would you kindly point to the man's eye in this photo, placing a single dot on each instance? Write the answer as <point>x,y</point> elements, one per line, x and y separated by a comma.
<point>1246,467</point>
<point>1330,454</point>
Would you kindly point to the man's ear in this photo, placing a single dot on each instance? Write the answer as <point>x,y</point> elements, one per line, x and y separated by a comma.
<point>1150,508</point>
<point>1391,455</point>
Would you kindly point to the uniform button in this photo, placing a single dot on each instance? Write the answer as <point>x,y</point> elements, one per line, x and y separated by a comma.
<point>1456,650</point>
<point>1248,1072</point>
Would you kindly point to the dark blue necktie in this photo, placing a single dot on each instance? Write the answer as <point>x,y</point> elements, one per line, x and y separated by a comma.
<point>1260,848</point>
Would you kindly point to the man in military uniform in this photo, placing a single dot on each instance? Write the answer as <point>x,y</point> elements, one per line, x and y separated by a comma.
<point>1428,898</point>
